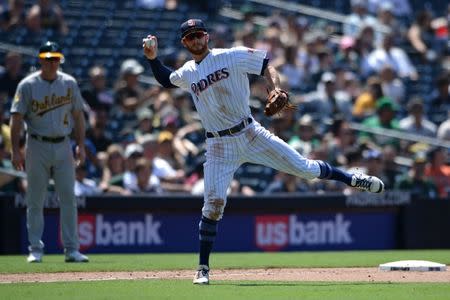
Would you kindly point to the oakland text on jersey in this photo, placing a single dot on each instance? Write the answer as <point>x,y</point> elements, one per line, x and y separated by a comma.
<point>203,84</point>
<point>50,103</point>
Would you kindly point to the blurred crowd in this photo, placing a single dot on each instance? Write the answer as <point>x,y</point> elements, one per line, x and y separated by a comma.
<point>358,86</point>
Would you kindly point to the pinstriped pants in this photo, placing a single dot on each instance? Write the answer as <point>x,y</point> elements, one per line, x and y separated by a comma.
<point>254,144</point>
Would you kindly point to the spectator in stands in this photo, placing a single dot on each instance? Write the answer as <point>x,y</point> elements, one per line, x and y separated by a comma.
<point>352,85</point>
<point>162,105</point>
<point>169,169</point>
<point>96,94</point>
<point>421,36</point>
<point>247,31</point>
<point>46,14</point>
<point>91,163</point>
<point>8,183</point>
<point>391,169</point>
<point>341,138</point>
<point>144,181</point>
<point>281,127</point>
<point>129,92</point>
<point>365,44</point>
<point>149,144</point>
<point>97,131</point>
<point>188,142</point>
<point>439,105</point>
<point>85,186</point>
<point>326,63</point>
<point>221,37</point>
<point>13,15</point>
<point>306,138</point>
<point>183,104</point>
<point>292,34</point>
<point>286,183</point>
<point>391,85</point>
<point>161,168</point>
<point>308,56</point>
<point>196,178</point>
<point>438,170</point>
<point>114,171</point>
<point>358,18</point>
<point>386,18</point>
<point>171,122</point>
<point>444,130</point>
<point>365,103</point>
<point>163,173</point>
<point>10,78</point>
<point>271,42</point>
<point>415,181</point>
<point>354,159</point>
<point>133,152</point>
<point>347,56</point>
<point>384,119</point>
<point>129,96</point>
<point>373,163</point>
<point>415,122</point>
<point>326,102</point>
<point>290,67</point>
<point>400,8</point>
<point>339,72</point>
<point>393,56</point>
<point>145,123</point>
<point>5,131</point>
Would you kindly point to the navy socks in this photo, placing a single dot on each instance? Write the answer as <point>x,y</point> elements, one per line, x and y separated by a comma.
<point>332,173</point>
<point>207,236</point>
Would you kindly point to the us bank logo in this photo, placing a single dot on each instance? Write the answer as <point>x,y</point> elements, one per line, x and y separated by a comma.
<point>275,232</point>
<point>101,231</point>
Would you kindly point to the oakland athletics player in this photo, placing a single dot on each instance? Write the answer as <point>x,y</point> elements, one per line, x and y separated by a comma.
<point>217,80</point>
<point>50,103</point>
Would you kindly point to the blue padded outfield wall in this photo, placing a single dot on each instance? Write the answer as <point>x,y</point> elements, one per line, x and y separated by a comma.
<point>164,232</point>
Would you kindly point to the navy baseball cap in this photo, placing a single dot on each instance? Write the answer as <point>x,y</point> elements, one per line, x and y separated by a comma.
<point>50,49</point>
<point>192,25</point>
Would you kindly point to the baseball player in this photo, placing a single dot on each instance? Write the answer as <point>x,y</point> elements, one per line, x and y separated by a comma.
<point>50,103</point>
<point>217,81</point>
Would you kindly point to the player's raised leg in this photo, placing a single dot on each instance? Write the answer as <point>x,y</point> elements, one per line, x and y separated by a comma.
<point>269,150</point>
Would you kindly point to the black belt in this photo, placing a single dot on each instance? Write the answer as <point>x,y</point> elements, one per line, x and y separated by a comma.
<point>48,139</point>
<point>231,130</point>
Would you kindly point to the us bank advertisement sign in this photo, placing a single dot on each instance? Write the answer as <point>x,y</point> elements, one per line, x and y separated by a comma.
<point>147,232</point>
<point>325,231</point>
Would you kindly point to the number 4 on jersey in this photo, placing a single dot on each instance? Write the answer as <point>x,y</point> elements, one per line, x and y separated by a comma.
<point>66,120</point>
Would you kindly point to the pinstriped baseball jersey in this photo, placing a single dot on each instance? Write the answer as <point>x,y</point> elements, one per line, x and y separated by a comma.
<point>47,106</point>
<point>219,85</point>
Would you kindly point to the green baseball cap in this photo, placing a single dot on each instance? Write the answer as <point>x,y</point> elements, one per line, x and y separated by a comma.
<point>385,102</point>
<point>50,49</point>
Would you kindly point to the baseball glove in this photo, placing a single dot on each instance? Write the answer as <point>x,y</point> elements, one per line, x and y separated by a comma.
<point>277,100</point>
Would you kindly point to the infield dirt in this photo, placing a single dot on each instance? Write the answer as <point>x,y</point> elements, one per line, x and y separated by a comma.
<point>290,274</point>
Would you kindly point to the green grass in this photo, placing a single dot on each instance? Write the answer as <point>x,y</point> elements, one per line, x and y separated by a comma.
<point>184,289</point>
<point>146,262</point>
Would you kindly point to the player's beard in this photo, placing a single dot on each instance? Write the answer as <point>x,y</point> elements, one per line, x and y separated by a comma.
<point>198,51</point>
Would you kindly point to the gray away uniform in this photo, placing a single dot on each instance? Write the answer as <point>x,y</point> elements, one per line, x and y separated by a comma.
<point>47,111</point>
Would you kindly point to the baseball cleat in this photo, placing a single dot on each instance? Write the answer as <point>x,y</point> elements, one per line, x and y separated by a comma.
<point>367,183</point>
<point>202,275</point>
<point>76,256</point>
<point>34,257</point>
